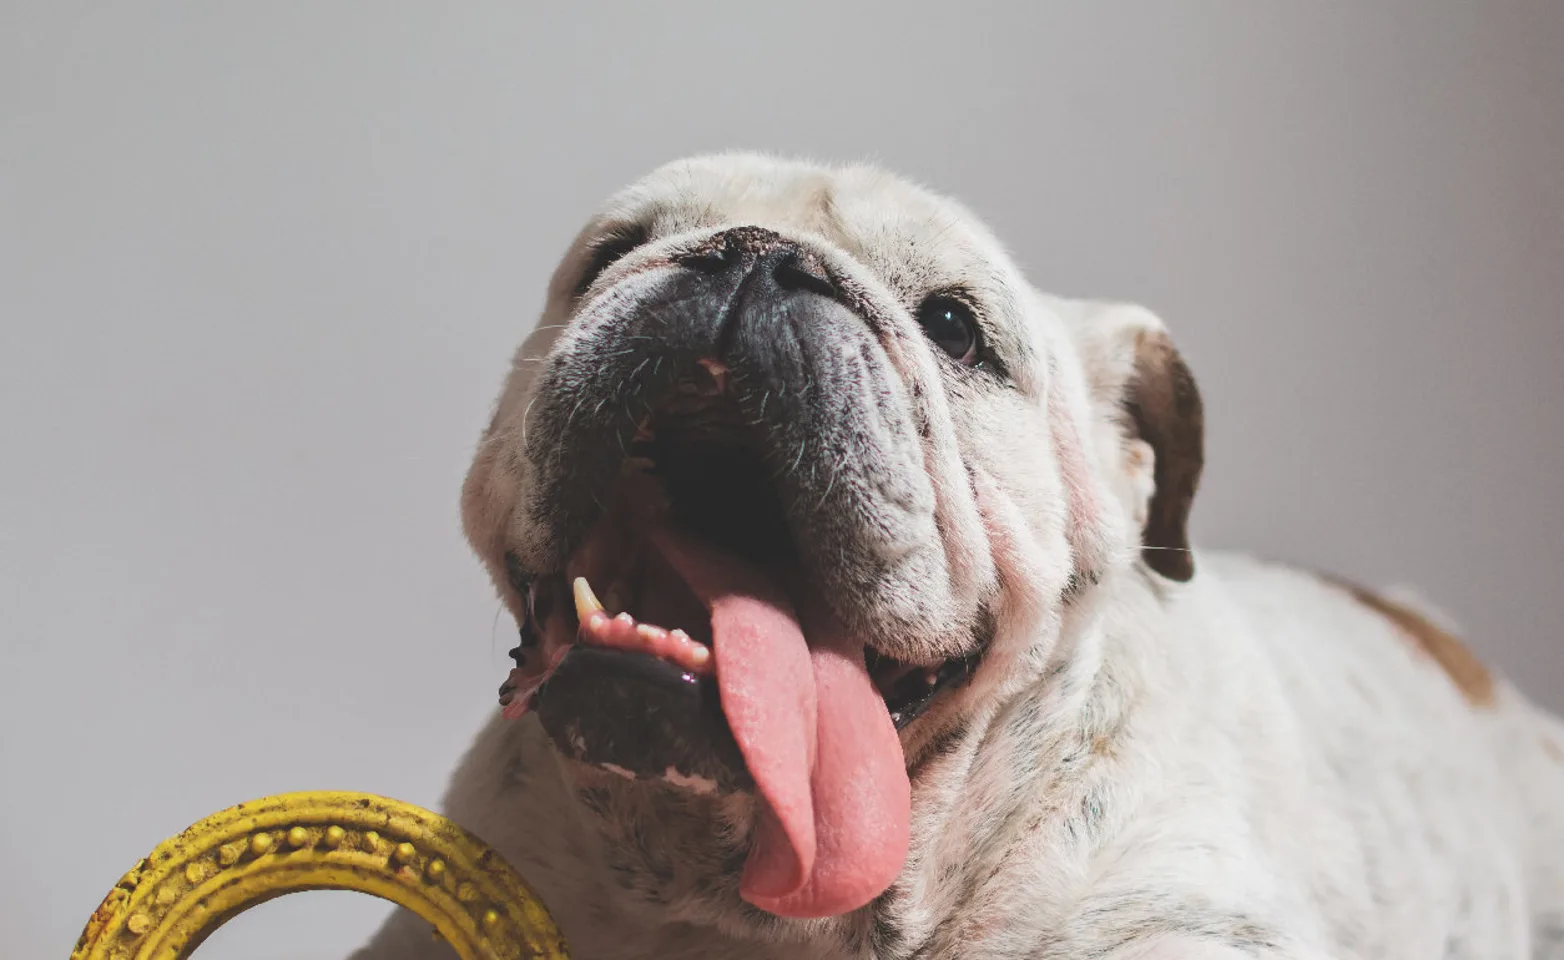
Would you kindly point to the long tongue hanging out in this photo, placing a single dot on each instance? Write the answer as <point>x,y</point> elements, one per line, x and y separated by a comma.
<point>833,823</point>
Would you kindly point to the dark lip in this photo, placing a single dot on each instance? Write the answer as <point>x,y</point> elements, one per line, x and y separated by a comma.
<point>908,705</point>
<point>641,716</point>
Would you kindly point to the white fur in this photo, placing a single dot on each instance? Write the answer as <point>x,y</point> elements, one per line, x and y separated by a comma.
<point>1250,764</point>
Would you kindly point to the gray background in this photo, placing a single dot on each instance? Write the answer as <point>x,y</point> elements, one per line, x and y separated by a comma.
<point>262,265</point>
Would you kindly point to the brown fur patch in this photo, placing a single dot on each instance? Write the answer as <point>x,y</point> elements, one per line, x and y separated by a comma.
<point>1165,407</point>
<point>1465,670</point>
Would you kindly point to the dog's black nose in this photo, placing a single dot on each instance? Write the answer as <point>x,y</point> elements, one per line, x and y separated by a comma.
<point>769,256</point>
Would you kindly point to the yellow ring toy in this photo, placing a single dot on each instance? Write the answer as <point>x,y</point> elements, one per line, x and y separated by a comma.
<point>231,861</point>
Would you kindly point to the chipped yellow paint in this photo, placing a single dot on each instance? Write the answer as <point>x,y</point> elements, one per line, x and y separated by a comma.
<point>218,868</point>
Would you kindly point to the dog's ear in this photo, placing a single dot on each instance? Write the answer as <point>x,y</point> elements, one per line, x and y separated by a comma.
<point>1164,406</point>
<point>1142,386</point>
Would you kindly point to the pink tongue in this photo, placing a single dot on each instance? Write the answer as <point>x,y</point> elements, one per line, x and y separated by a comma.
<point>833,826</point>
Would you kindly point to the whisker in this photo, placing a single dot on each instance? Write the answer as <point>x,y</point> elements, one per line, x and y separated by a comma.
<point>524,414</point>
<point>836,471</point>
<point>802,443</point>
<point>494,629</point>
<point>947,228</point>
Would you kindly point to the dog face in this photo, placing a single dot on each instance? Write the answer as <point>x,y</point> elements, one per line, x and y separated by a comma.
<point>836,472</point>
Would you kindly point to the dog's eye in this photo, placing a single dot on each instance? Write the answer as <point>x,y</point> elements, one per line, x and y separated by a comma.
<point>609,250</point>
<point>951,325</point>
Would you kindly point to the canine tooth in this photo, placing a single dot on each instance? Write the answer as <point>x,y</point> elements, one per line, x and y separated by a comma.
<point>586,601</point>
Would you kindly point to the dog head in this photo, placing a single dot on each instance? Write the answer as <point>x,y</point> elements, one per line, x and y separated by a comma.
<point>795,472</point>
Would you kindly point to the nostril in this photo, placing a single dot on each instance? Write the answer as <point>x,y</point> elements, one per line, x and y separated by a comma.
<point>714,256</point>
<point>800,271</point>
<point>708,259</point>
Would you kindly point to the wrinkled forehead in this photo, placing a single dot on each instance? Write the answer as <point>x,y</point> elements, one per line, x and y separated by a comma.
<point>912,238</point>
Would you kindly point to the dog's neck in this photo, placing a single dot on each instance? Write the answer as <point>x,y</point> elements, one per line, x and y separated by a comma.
<point>1021,779</point>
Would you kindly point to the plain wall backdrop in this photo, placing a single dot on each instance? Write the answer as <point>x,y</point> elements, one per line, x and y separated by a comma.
<point>262,267</point>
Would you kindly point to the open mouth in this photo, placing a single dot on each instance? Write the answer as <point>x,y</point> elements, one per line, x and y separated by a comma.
<point>686,640</point>
<point>693,477</point>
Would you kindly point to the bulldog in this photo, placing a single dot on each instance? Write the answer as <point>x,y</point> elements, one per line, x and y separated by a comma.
<point>858,619</point>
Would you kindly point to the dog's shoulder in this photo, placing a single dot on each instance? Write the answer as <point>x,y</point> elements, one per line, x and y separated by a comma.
<point>1368,675</point>
<point>1327,616</point>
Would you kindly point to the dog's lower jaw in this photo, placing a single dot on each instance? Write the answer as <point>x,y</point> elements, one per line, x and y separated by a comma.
<point>662,877</point>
